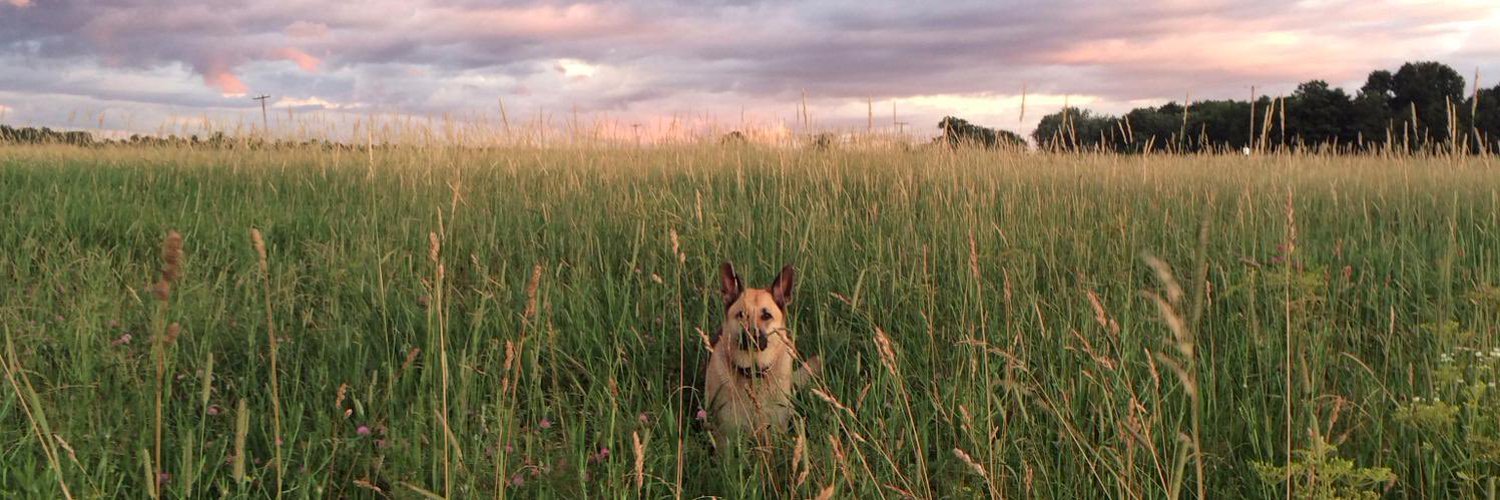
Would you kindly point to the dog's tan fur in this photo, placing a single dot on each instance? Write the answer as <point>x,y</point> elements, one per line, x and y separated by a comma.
<point>753,369</point>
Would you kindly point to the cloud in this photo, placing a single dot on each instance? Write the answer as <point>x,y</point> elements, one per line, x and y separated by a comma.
<point>305,29</point>
<point>306,62</point>
<point>575,69</point>
<point>652,59</point>
<point>311,103</point>
<point>219,77</point>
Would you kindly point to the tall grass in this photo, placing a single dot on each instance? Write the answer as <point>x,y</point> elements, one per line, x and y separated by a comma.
<point>525,321</point>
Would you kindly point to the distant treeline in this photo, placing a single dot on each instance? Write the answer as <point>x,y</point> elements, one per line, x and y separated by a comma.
<point>1420,107</point>
<point>44,135</point>
<point>217,140</point>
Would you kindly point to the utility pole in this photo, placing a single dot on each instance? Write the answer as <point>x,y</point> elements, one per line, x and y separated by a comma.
<point>901,129</point>
<point>264,128</point>
<point>1022,118</point>
<point>636,127</point>
<point>1251,145</point>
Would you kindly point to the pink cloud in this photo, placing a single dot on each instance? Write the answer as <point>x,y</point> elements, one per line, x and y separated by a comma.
<point>21,3</point>
<point>303,60</point>
<point>541,21</point>
<point>225,81</point>
<point>1280,46</point>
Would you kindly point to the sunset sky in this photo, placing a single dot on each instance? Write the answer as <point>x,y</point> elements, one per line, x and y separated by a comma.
<point>141,65</point>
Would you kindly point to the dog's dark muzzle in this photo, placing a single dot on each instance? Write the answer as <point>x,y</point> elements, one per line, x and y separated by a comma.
<point>757,339</point>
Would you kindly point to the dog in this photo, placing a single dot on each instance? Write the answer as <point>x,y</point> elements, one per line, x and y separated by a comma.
<point>753,369</point>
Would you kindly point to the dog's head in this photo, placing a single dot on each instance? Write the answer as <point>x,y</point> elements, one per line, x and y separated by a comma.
<point>755,318</point>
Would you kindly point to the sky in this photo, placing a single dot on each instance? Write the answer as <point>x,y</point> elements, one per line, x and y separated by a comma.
<point>120,66</point>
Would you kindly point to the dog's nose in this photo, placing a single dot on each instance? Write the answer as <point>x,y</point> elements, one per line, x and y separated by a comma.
<point>754,337</point>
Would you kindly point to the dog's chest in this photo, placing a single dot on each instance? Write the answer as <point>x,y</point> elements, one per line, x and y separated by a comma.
<point>750,402</point>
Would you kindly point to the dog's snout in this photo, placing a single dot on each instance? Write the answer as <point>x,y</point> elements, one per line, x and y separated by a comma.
<point>755,337</point>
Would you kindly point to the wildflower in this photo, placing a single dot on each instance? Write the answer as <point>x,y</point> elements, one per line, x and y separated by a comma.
<point>214,410</point>
<point>600,456</point>
<point>702,414</point>
<point>517,481</point>
<point>644,419</point>
<point>363,430</point>
<point>123,340</point>
<point>545,423</point>
<point>162,478</point>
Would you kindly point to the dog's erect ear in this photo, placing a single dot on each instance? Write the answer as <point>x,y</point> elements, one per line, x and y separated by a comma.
<point>729,284</point>
<point>781,289</point>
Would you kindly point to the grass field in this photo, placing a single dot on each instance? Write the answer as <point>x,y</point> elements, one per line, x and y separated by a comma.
<point>529,322</point>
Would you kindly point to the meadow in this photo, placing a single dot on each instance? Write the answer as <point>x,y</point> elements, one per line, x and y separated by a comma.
<point>531,322</point>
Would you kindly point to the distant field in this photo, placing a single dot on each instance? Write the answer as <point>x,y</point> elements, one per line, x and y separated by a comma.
<point>1041,349</point>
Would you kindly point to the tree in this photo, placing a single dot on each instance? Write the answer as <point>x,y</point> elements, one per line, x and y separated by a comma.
<point>1153,129</point>
<point>1428,87</point>
<point>44,135</point>
<point>958,131</point>
<point>1220,125</point>
<point>1486,120</point>
<point>1379,85</point>
<point>1081,129</point>
<point>733,138</point>
<point>1317,113</point>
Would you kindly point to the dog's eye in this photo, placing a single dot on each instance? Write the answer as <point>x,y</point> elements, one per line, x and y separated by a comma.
<point>765,315</point>
<point>739,315</point>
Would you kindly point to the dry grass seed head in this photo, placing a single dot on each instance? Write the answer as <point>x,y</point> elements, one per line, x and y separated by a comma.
<point>964,457</point>
<point>531,287</point>
<point>173,330</point>
<point>260,248</point>
<point>640,459</point>
<point>887,353</point>
<point>1164,273</point>
<point>171,256</point>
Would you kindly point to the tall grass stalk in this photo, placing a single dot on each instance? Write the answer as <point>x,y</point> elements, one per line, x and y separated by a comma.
<point>259,243</point>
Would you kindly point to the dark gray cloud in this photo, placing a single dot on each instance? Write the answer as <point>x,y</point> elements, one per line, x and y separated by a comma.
<point>659,57</point>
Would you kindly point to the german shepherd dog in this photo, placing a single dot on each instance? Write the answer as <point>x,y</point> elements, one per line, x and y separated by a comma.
<point>753,369</point>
